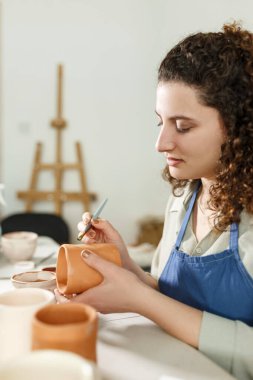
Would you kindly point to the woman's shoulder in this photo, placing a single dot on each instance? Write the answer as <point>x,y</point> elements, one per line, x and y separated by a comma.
<point>246,231</point>
<point>246,223</point>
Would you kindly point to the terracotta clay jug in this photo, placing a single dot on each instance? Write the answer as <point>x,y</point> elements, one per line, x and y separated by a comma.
<point>69,327</point>
<point>73,275</point>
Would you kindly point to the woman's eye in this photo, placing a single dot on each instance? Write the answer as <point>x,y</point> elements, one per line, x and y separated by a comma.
<point>182,129</point>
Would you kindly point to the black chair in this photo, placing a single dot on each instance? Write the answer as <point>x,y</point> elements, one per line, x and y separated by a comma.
<point>45,224</point>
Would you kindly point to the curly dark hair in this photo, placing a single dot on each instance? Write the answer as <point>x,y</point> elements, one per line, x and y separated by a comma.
<point>220,67</point>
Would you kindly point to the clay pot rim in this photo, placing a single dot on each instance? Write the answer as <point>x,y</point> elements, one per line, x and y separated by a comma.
<point>14,280</point>
<point>48,298</point>
<point>41,358</point>
<point>63,326</point>
<point>91,315</point>
<point>27,235</point>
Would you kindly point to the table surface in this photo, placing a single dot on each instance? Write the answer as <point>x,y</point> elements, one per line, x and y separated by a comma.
<point>131,347</point>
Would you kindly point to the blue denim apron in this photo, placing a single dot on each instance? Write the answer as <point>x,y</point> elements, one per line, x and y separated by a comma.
<point>218,283</point>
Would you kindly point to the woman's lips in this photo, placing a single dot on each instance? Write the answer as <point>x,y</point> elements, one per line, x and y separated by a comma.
<point>171,161</point>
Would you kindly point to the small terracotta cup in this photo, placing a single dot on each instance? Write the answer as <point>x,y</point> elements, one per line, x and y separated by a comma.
<point>73,275</point>
<point>68,327</point>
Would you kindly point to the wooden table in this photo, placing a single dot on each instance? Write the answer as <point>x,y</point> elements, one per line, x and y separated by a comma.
<point>131,347</point>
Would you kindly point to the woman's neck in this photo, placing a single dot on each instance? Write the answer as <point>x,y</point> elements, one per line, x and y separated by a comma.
<point>204,194</point>
<point>203,217</point>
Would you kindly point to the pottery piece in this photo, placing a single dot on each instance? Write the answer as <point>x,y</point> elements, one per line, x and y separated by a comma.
<point>35,279</point>
<point>49,269</point>
<point>20,245</point>
<point>17,308</point>
<point>69,327</point>
<point>49,365</point>
<point>73,275</point>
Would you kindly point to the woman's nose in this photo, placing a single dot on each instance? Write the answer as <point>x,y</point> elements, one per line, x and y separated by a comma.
<point>165,141</point>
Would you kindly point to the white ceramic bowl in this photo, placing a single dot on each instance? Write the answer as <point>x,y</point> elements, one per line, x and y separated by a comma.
<point>49,365</point>
<point>35,279</point>
<point>20,245</point>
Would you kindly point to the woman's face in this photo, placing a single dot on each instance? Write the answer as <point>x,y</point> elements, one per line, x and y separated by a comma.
<point>191,134</point>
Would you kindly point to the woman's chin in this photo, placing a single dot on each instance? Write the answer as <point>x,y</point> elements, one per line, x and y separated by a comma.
<point>177,174</point>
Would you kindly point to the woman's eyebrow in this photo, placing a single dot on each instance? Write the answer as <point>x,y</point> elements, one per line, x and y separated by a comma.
<point>179,117</point>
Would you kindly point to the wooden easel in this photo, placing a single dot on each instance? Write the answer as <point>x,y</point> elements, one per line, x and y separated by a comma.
<point>58,196</point>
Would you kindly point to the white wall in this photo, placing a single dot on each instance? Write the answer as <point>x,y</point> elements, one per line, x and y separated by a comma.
<point>110,50</point>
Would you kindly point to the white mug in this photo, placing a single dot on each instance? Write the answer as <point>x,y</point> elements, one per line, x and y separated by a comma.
<point>17,308</point>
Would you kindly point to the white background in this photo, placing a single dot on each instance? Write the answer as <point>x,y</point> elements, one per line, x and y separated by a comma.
<point>110,50</point>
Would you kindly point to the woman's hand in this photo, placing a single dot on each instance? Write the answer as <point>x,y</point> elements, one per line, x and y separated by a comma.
<point>103,232</point>
<point>120,290</point>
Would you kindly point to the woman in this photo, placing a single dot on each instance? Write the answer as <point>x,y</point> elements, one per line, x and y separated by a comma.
<point>201,285</point>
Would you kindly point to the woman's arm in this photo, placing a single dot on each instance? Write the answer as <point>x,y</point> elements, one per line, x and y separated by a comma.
<point>122,291</point>
<point>228,343</point>
<point>179,320</point>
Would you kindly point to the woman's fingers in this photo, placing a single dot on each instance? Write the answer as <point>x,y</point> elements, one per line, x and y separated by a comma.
<point>90,236</point>
<point>101,232</point>
<point>80,226</point>
<point>60,298</point>
<point>63,298</point>
<point>100,224</point>
<point>86,217</point>
<point>87,240</point>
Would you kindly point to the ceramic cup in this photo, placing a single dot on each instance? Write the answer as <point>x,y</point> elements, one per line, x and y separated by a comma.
<point>69,327</point>
<point>17,308</point>
<point>20,245</point>
<point>73,275</point>
<point>35,279</point>
<point>49,365</point>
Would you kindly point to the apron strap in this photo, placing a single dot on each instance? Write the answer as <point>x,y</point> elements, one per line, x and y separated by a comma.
<point>187,216</point>
<point>234,235</point>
